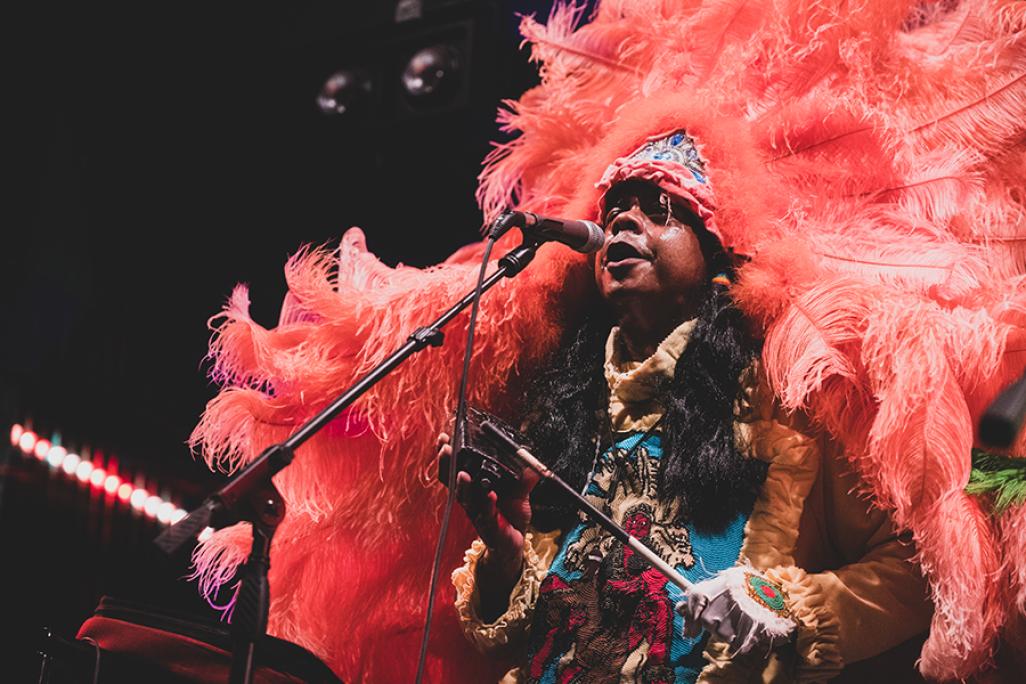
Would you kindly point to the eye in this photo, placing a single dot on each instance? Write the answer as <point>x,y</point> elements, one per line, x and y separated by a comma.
<point>612,214</point>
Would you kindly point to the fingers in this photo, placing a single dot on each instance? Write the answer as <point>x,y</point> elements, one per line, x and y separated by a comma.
<point>487,522</point>
<point>693,614</point>
<point>480,506</point>
<point>463,486</point>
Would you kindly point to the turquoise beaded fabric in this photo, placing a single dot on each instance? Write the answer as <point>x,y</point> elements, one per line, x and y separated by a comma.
<point>603,614</point>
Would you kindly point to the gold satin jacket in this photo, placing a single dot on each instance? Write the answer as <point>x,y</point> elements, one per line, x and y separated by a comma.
<point>849,577</point>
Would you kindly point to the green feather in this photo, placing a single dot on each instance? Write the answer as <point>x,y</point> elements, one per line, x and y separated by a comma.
<point>1002,479</point>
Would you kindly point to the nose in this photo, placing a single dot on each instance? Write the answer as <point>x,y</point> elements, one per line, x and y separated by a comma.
<point>631,220</point>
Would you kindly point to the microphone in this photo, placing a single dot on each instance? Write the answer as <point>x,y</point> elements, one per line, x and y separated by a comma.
<point>583,236</point>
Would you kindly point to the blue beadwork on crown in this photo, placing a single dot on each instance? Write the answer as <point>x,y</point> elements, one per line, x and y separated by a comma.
<point>678,147</point>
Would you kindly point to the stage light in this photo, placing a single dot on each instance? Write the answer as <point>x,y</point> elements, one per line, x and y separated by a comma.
<point>151,505</point>
<point>97,477</point>
<point>84,470</point>
<point>347,92</point>
<point>71,462</point>
<point>42,448</point>
<point>206,534</point>
<point>56,456</point>
<point>138,498</point>
<point>432,73</point>
<point>165,511</point>
<point>27,441</point>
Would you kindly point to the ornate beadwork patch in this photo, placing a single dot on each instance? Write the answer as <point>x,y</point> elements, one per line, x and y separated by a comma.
<point>767,594</point>
<point>677,147</point>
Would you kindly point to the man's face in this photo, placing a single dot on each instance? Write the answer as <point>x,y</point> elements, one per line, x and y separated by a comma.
<point>649,252</point>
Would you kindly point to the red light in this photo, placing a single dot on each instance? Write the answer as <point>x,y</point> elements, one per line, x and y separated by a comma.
<point>125,491</point>
<point>111,483</point>
<point>27,441</point>
<point>97,477</point>
<point>16,432</point>
<point>42,449</point>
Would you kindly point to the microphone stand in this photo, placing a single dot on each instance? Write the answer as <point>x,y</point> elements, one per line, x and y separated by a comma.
<point>250,496</point>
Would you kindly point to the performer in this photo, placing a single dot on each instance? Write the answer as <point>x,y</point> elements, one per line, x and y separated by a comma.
<point>678,432</point>
<point>862,167</point>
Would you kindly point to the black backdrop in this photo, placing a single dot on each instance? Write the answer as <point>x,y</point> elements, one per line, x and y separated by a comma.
<point>158,154</point>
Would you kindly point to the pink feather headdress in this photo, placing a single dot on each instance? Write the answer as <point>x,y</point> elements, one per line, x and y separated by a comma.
<point>870,158</point>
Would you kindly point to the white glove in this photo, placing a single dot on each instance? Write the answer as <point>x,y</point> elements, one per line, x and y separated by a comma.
<point>740,607</point>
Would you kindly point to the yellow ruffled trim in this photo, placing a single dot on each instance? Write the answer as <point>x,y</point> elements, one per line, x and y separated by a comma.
<point>818,636</point>
<point>635,387</point>
<point>510,627</point>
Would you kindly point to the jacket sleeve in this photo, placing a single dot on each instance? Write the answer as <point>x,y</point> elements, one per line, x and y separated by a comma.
<point>509,630</point>
<point>873,600</point>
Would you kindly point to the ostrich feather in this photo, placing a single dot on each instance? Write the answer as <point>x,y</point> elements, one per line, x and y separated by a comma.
<point>934,187</point>
<point>987,122</point>
<point>806,346</point>
<point>921,441</point>
<point>725,22</point>
<point>1012,525</point>
<point>969,609</point>
<point>564,48</point>
<point>824,136</point>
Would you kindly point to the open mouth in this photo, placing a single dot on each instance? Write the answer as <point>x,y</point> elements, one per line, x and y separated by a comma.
<point>622,252</point>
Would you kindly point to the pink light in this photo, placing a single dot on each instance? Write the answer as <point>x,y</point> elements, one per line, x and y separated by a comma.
<point>97,477</point>
<point>56,456</point>
<point>178,516</point>
<point>84,470</point>
<point>151,505</point>
<point>138,498</point>
<point>42,449</point>
<point>27,441</point>
<point>111,483</point>
<point>165,511</point>
<point>16,432</point>
<point>71,463</point>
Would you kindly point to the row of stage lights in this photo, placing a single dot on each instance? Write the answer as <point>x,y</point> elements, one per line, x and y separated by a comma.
<point>60,459</point>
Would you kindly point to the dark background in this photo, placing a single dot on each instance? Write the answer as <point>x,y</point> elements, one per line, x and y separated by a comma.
<point>160,153</point>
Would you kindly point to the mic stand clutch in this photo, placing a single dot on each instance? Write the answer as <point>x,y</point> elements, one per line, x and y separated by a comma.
<point>250,496</point>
